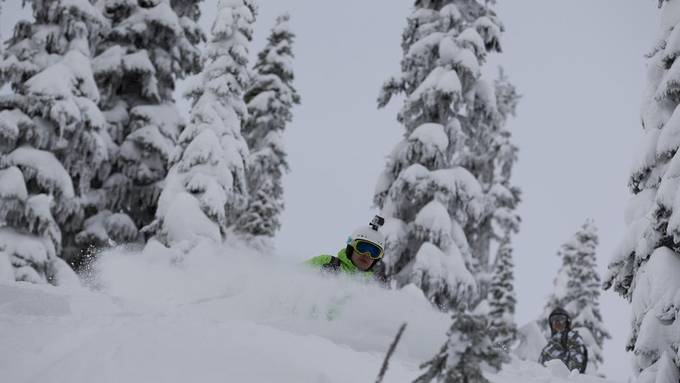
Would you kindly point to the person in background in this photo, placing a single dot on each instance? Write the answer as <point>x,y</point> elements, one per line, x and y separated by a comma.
<point>565,344</point>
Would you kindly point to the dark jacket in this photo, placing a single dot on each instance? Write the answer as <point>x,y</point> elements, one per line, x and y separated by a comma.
<point>566,346</point>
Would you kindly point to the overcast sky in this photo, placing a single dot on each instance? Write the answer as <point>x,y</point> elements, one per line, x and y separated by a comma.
<point>579,65</point>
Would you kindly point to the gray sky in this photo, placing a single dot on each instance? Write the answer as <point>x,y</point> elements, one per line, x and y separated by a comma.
<point>580,67</point>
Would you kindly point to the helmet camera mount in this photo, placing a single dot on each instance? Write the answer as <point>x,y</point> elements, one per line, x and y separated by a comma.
<point>377,222</point>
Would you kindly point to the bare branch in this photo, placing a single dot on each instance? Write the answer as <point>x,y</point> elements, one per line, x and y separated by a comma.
<point>393,347</point>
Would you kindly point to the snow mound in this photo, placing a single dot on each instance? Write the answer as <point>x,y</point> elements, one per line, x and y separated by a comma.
<point>532,342</point>
<point>216,315</point>
<point>238,284</point>
<point>519,371</point>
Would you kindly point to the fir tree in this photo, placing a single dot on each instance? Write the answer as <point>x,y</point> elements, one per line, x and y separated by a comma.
<point>52,137</point>
<point>645,266</point>
<point>468,347</point>
<point>149,46</point>
<point>503,330</point>
<point>501,219</point>
<point>504,220</point>
<point>206,186</point>
<point>558,297</point>
<point>584,297</point>
<point>442,189</point>
<point>270,98</point>
<point>577,290</point>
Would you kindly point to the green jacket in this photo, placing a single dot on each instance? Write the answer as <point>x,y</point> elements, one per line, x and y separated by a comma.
<point>346,266</point>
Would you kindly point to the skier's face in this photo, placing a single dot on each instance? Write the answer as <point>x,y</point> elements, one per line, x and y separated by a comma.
<point>362,261</point>
<point>558,323</point>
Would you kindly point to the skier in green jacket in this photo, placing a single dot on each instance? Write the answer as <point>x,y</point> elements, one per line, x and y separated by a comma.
<point>364,250</point>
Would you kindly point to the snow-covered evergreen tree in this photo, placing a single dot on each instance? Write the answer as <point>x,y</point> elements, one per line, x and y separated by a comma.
<point>490,156</point>
<point>502,301</point>
<point>206,186</point>
<point>502,219</point>
<point>468,348</point>
<point>442,186</point>
<point>577,290</point>
<point>558,298</point>
<point>270,98</point>
<point>149,46</point>
<point>646,265</point>
<point>53,137</point>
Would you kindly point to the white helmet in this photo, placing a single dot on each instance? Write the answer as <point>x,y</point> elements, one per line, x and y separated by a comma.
<point>368,233</point>
<point>371,234</point>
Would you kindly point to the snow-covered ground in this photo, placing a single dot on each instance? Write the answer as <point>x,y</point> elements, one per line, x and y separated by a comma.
<point>220,316</point>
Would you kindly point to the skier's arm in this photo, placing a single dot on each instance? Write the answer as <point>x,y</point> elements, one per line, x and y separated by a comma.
<point>577,354</point>
<point>577,360</point>
<point>547,353</point>
<point>318,261</point>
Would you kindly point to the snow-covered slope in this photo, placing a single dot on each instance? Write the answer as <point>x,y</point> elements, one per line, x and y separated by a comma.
<point>219,317</point>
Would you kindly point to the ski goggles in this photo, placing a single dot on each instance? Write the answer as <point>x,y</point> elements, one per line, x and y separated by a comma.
<point>368,249</point>
<point>561,319</point>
